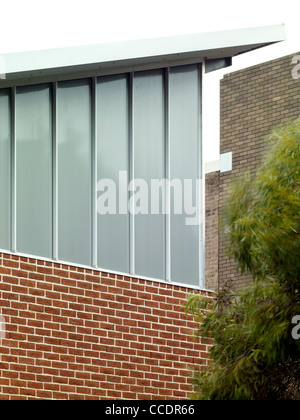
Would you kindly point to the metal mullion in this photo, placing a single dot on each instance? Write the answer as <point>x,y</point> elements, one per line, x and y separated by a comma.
<point>131,175</point>
<point>13,172</point>
<point>167,176</point>
<point>201,73</point>
<point>94,174</point>
<point>54,174</point>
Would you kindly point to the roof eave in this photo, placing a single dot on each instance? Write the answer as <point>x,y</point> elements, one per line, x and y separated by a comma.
<point>139,54</point>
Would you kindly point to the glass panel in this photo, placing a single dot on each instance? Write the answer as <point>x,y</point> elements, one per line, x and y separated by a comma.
<point>112,149</point>
<point>149,158</point>
<point>5,169</point>
<point>34,170</point>
<point>184,165</point>
<point>74,171</point>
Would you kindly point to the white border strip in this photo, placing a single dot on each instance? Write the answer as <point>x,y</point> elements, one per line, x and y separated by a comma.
<point>94,172</point>
<point>54,174</point>
<point>167,174</point>
<point>201,175</point>
<point>13,172</point>
<point>131,171</point>
<point>104,271</point>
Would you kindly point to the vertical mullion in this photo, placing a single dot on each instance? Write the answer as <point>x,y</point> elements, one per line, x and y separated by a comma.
<point>54,174</point>
<point>167,176</point>
<point>94,174</point>
<point>201,176</point>
<point>13,172</point>
<point>131,175</point>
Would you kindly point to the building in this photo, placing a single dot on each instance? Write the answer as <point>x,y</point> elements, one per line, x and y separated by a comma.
<point>253,102</point>
<point>92,281</point>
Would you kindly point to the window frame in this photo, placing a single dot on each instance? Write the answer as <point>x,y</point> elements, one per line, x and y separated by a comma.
<point>165,67</point>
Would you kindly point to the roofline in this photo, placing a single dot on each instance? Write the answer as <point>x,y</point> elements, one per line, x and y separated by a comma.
<point>112,57</point>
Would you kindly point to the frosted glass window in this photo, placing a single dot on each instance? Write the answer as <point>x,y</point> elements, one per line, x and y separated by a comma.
<point>34,170</point>
<point>74,171</point>
<point>5,169</point>
<point>144,125</point>
<point>184,164</point>
<point>113,158</point>
<point>149,164</point>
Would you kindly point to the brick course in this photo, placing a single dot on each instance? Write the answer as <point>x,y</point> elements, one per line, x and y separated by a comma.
<point>76,333</point>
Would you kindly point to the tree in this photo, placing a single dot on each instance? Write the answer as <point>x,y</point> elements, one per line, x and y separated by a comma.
<point>254,355</point>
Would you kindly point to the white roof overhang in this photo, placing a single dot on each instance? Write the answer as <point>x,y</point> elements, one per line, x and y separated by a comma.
<point>136,55</point>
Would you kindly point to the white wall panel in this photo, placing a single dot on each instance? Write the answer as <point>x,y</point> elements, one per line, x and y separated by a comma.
<point>184,165</point>
<point>113,158</point>
<point>74,171</point>
<point>5,169</point>
<point>34,170</point>
<point>149,164</point>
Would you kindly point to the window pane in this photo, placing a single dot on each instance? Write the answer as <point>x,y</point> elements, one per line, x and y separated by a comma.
<point>74,171</point>
<point>149,158</point>
<point>5,168</point>
<point>34,170</point>
<point>184,164</point>
<point>112,149</point>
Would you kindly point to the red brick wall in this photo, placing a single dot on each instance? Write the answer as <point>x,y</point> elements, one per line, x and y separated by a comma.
<point>75,333</point>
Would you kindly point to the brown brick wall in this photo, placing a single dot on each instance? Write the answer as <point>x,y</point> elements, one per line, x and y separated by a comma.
<point>211,230</point>
<point>75,333</point>
<point>253,101</point>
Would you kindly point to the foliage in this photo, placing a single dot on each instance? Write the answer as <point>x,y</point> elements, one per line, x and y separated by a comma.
<point>263,215</point>
<point>254,355</point>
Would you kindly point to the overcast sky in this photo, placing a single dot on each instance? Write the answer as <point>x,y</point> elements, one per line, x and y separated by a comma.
<point>36,24</point>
